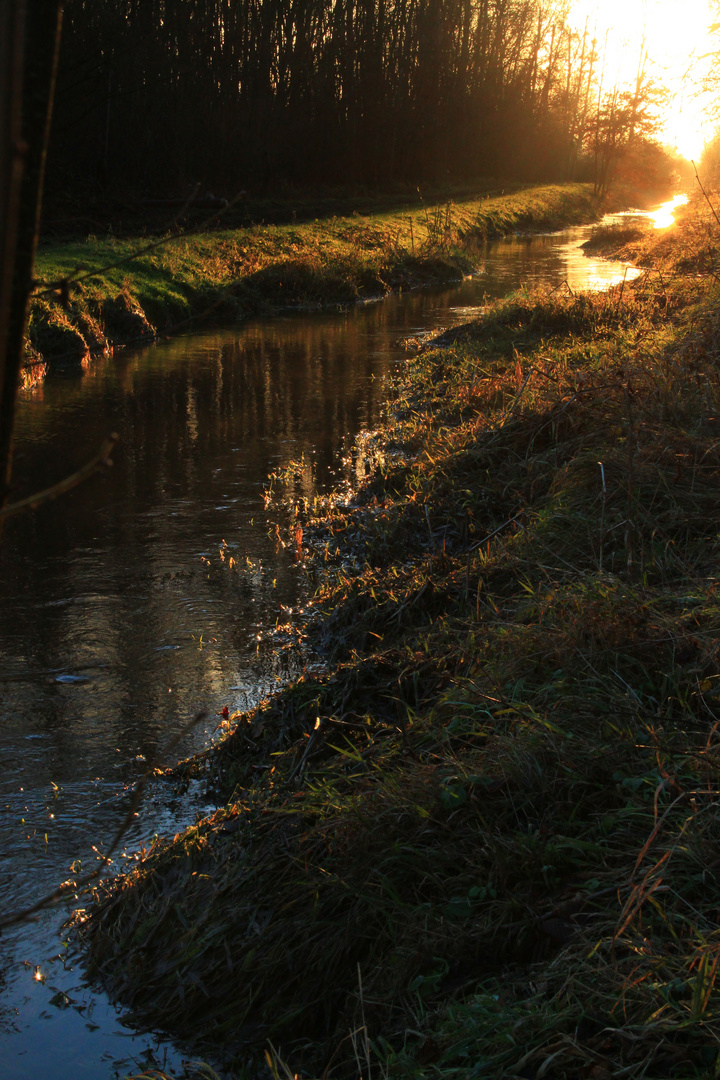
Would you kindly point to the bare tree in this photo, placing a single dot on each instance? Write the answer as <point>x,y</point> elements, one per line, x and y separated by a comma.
<point>158,93</point>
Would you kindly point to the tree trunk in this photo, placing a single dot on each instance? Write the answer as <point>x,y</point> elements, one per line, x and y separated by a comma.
<point>12,157</point>
<point>35,29</point>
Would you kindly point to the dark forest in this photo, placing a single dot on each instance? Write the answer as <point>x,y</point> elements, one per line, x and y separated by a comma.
<point>163,94</point>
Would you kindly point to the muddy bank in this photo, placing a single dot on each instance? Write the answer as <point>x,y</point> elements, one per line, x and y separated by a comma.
<point>94,296</point>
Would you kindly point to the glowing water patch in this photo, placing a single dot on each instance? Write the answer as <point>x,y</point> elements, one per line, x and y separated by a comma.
<point>663,217</point>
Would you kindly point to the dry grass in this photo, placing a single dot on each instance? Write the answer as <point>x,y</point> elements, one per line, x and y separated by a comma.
<point>501,804</point>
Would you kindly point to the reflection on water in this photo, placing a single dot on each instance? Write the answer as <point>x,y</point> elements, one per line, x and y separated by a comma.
<point>119,617</point>
<point>553,258</point>
<point>664,216</point>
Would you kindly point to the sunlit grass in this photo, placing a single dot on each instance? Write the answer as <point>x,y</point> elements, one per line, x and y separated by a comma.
<point>227,276</point>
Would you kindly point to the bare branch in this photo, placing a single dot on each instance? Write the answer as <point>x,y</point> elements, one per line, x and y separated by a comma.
<point>707,197</point>
<point>11,918</point>
<point>101,459</point>
<point>52,287</point>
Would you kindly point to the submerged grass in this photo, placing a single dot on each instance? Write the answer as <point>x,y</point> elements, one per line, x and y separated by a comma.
<point>487,842</point>
<point>230,274</point>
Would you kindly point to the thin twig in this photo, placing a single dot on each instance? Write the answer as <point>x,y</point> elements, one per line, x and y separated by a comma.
<point>181,213</point>
<point>496,531</point>
<point>101,460</point>
<point>707,197</point>
<point>602,514</point>
<point>52,287</point>
<point>13,917</point>
<point>317,731</point>
<point>630,534</point>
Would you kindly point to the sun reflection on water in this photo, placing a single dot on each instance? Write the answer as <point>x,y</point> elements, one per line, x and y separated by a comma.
<point>664,216</point>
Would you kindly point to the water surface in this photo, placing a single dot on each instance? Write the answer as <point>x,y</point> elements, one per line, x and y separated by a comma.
<point>140,597</point>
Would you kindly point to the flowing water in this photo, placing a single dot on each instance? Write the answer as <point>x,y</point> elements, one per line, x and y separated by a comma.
<point>145,595</point>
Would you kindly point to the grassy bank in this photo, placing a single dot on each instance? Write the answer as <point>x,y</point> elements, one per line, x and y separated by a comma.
<point>229,274</point>
<point>486,843</point>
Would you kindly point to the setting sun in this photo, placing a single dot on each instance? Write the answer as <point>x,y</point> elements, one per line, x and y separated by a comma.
<point>675,35</point>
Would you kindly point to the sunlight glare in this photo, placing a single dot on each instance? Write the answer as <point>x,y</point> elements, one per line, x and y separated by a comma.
<point>663,217</point>
<point>677,38</point>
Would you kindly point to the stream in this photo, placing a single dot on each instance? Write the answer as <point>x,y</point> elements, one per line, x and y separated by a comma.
<point>147,594</point>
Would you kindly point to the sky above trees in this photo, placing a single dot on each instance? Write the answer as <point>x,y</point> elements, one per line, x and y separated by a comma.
<point>676,39</point>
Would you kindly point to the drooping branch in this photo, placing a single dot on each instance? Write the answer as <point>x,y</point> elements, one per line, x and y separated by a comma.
<point>101,460</point>
<point>51,288</point>
<point>11,918</point>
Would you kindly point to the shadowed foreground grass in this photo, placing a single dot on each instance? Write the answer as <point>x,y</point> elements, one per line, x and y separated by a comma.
<point>226,276</point>
<point>487,842</point>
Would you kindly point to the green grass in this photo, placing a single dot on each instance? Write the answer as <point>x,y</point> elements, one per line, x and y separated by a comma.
<point>485,843</point>
<point>225,276</point>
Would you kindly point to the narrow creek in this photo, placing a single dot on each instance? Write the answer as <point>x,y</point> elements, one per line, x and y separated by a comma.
<point>145,595</point>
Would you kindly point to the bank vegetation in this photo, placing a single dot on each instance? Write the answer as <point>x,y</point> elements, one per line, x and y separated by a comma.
<point>101,292</point>
<point>485,842</point>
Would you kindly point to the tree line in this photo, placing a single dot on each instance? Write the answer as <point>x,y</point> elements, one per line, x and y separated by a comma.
<point>162,94</point>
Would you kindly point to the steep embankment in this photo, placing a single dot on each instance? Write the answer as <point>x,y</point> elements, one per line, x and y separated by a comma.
<point>224,276</point>
<point>500,807</point>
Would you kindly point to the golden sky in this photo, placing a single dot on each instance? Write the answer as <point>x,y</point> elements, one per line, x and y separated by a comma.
<point>678,40</point>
